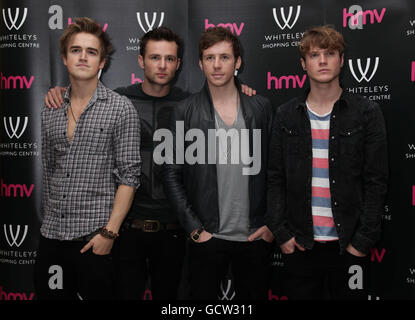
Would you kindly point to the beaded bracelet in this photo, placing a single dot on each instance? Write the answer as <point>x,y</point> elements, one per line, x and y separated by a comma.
<point>108,234</point>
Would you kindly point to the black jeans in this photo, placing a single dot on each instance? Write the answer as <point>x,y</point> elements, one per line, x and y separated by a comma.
<point>249,262</point>
<point>157,256</point>
<point>322,273</point>
<point>61,272</point>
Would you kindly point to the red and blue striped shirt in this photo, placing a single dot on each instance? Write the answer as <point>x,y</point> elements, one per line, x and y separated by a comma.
<point>323,223</point>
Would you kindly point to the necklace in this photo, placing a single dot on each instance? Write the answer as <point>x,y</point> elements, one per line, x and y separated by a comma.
<point>73,116</point>
<point>225,152</point>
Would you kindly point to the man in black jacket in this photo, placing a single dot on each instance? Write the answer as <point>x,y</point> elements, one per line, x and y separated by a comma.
<point>327,178</point>
<point>217,189</point>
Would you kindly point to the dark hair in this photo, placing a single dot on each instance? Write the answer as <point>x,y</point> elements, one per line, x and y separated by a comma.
<point>218,34</point>
<point>325,37</point>
<point>86,25</point>
<point>159,34</point>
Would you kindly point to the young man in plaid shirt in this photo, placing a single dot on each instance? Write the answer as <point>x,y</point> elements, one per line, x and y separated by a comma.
<point>91,167</point>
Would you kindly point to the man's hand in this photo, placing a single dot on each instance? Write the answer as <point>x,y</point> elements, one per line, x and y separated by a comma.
<point>289,246</point>
<point>54,97</point>
<point>204,236</point>
<point>264,233</point>
<point>247,90</point>
<point>100,245</point>
<point>350,249</point>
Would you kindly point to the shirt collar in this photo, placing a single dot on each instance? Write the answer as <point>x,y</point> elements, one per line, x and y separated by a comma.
<point>100,93</point>
<point>343,98</point>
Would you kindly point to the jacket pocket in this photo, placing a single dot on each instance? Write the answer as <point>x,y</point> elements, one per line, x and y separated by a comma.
<point>291,140</point>
<point>351,141</point>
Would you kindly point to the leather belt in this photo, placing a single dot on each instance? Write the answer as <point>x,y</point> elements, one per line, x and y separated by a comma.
<point>152,225</point>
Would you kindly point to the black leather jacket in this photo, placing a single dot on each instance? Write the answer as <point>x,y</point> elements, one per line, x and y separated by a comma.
<point>358,172</point>
<point>192,189</point>
<point>150,201</point>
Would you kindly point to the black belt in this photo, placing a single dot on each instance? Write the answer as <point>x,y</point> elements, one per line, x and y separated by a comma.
<point>151,225</point>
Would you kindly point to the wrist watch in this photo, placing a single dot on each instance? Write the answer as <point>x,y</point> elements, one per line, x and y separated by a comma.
<point>195,235</point>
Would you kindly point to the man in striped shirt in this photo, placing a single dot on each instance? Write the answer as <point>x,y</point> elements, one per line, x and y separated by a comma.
<point>327,178</point>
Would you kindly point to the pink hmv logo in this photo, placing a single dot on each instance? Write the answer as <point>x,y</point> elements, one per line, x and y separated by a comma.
<point>135,79</point>
<point>235,29</point>
<point>14,295</point>
<point>356,17</point>
<point>375,255</point>
<point>290,81</point>
<point>15,190</point>
<point>15,82</point>
<point>413,72</point>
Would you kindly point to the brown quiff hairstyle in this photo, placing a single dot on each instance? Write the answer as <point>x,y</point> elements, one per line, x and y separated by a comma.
<point>212,36</point>
<point>86,25</point>
<point>325,37</point>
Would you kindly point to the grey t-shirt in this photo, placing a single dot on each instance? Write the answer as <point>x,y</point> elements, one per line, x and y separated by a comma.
<point>232,184</point>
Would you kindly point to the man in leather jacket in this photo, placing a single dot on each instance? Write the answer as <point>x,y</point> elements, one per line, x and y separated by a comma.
<point>220,196</point>
<point>327,178</point>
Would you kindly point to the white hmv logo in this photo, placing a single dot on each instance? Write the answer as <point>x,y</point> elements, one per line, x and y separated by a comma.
<point>12,237</point>
<point>365,72</point>
<point>13,20</point>
<point>285,19</point>
<point>150,25</point>
<point>12,129</point>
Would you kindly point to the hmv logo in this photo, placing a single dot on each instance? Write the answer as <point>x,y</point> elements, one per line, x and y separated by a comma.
<point>235,29</point>
<point>413,72</point>
<point>376,256</point>
<point>15,190</point>
<point>285,20</point>
<point>15,82</point>
<point>14,21</point>
<point>291,81</point>
<point>365,74</point>
<point>15,238</point>
<point>134,79</point>
<point>356,18</point>
<point>149,25</point>
<point>272,296</point>
<point>413,195</point>
<point>14,295</point>
<point>15,129</point>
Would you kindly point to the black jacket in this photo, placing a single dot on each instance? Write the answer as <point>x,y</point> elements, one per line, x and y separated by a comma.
<point>150,201</point>
<point>192,189</point>
<point>358,171</point>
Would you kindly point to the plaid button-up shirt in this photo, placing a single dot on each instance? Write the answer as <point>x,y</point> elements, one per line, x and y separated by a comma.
<point>80,177</point>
